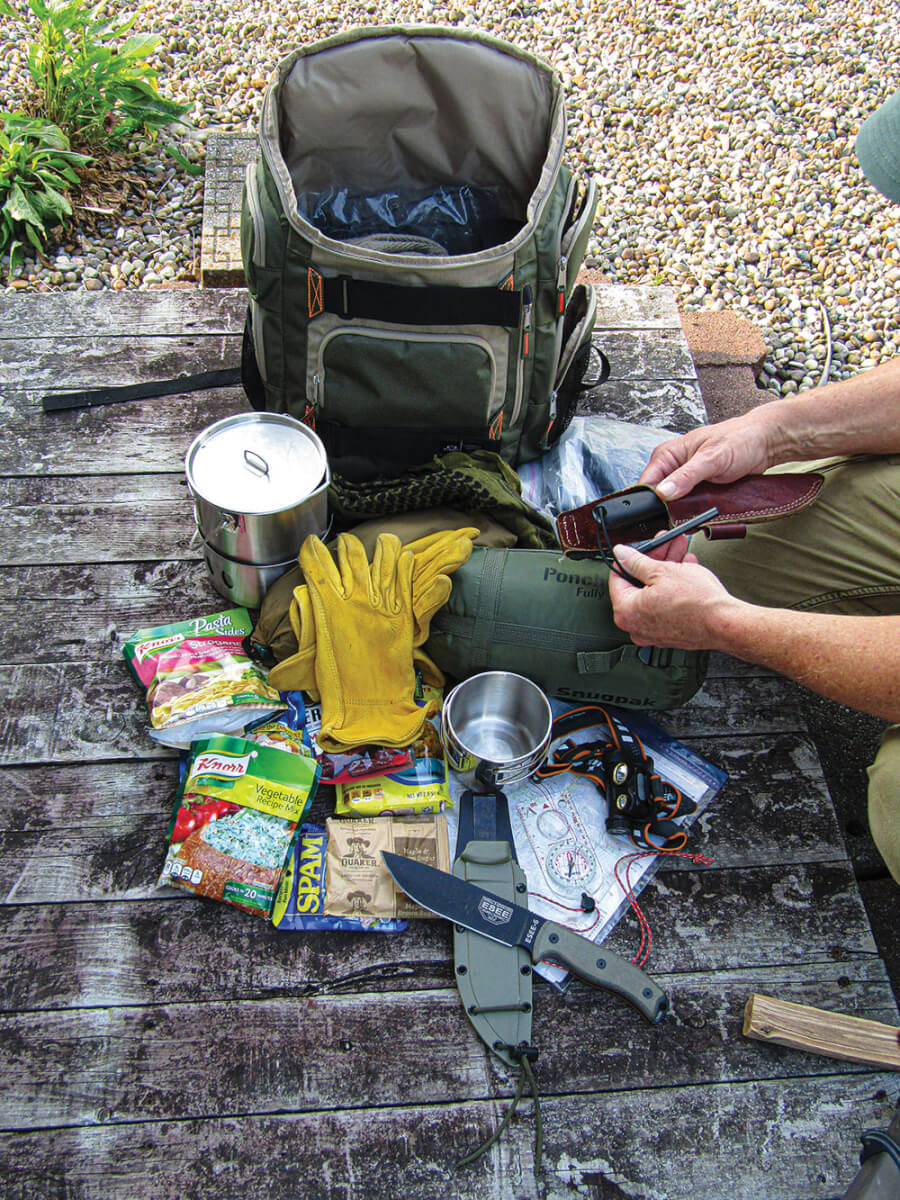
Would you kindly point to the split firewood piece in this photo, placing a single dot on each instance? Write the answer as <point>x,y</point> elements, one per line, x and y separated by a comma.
<point>822,1032</point>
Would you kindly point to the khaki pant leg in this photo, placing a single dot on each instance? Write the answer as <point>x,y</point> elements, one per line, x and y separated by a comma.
<point>884,800</point>
<point>840,555</point>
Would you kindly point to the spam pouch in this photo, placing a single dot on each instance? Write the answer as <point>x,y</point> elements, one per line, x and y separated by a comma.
<point>198,679</point>
<point>235,820</point>
<point>300,903</point>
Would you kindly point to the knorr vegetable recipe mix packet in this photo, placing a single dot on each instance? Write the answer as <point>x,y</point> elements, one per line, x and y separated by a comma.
<point>235,819</point>
<point>198,678</point>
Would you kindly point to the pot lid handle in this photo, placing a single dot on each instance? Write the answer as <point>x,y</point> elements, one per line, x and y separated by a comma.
<point>256,462</point>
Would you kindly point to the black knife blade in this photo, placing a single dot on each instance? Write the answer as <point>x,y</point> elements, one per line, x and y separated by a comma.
<point>512,925</point>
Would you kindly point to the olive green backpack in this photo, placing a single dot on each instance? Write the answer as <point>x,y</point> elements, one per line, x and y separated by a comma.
<point>411,239</point>
<point>548,617</point>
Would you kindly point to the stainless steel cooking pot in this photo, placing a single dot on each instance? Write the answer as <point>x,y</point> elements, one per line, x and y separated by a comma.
<point>259,482</point>
<point>244,584</point>
<point>496,728</point>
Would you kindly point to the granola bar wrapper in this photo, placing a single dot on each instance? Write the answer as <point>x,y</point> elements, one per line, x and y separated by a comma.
<point>198,678</point>
<point>358,884</point>
<point>235,821</point>
<point>420,786</point>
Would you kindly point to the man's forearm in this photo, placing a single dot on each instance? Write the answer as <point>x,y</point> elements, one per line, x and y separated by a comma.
<point>860,415</point>
<point>854,660</point>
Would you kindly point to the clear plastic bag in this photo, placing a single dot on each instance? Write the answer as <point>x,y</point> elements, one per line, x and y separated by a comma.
<point>442,220</point>
<point>595,456</point>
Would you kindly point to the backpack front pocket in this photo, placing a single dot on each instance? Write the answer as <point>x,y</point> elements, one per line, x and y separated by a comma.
<point>409,394</point>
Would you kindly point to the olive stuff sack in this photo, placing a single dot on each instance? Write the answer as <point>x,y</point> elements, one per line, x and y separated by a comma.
<point>411,239</point>
<point>549,618</point>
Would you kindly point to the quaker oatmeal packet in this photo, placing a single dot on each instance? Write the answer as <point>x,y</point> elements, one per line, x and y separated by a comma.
<point>357,883</point>
<point>235,820</point>
<point>198,679</point>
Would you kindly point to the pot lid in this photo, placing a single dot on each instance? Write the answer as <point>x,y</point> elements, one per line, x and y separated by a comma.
<point>256,463</point>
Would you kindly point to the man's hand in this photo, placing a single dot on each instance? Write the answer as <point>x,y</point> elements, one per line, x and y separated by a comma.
<point>681,604</point>
<point>718,453</point>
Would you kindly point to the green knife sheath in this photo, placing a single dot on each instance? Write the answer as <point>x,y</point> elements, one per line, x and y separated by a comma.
<point>494,980</point>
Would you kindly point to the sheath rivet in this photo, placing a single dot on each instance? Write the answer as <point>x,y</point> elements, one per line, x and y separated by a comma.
<point>461,970</point>
<point>647,993</point>
<point>526,970</point>
<point>601,964</point>
<point>554,938</point>
<point>520,887</point>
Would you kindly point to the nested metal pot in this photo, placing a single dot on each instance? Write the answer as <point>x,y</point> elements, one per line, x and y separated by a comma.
<point>496,728</point>
<point>244,584</point>
<point>259,483</point>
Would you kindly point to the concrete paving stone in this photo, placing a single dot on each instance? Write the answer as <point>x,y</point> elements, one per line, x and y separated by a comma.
<point>724,338</point>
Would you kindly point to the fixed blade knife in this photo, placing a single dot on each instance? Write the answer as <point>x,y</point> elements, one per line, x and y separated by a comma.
<point>510,924</point>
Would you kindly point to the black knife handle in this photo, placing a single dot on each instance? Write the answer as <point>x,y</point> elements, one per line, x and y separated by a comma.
<point>598,966</point>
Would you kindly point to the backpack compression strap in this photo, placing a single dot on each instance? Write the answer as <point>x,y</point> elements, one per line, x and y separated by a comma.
<point>398,305</point>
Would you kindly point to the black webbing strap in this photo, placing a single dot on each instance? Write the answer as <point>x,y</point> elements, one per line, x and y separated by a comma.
<point>397,445</point>
<point>399,305</point>
<point>58,401</point>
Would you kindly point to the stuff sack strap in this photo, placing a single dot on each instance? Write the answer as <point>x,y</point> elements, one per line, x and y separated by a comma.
<point>59,401</point>
<point>396,304</point>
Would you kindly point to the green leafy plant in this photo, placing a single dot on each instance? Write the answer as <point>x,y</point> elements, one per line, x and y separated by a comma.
<point>37,167</point>
<point>98,91</point>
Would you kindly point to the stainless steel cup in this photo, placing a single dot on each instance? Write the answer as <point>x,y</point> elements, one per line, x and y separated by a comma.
<point>496,728</point>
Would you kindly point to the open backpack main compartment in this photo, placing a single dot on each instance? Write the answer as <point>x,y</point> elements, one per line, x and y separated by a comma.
<point>411,240</point>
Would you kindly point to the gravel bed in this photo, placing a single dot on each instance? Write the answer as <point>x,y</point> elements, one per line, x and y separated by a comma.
<point>721,136</point>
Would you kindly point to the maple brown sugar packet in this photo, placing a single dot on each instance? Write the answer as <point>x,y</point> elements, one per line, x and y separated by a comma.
<point>358,884</point>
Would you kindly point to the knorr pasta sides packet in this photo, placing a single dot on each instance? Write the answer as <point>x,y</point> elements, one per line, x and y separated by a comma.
<point>198,678</point>
<point>235,820</point>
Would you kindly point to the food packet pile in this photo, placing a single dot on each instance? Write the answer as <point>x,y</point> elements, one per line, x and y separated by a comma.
<point>300,903</point>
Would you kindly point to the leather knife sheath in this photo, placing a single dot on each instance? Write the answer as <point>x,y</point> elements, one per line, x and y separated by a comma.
<point>638,513</point>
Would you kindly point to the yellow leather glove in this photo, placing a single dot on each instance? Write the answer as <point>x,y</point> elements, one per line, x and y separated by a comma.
<point>364,632</point>
<point>436,556</point>
<point>298,673</point>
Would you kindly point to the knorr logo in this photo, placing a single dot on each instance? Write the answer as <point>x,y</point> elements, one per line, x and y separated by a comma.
<point>225,766</point>
<point>149,649</point>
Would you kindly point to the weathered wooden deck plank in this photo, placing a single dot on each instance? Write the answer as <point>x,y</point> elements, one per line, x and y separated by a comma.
<point>797,1138</point>
<point>139,437</point>
<point>95,360</point>
<point>265,1056</point>
<point>60,316</point>
<point>146,950</point>
<point>85,711</point>
<point>145,437</point>
<point>115,599</point>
